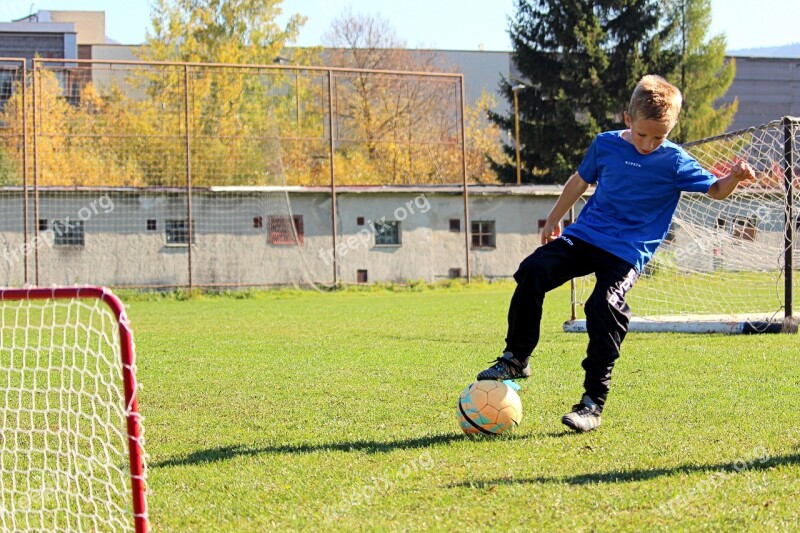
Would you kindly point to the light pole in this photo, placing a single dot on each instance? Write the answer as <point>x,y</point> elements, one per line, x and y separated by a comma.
<point>515,89</point>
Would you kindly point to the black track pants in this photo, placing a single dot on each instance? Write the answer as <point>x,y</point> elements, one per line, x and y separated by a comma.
<point>607,314</point>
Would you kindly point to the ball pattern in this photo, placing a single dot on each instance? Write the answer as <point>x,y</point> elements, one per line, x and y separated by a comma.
<point>489,407</point>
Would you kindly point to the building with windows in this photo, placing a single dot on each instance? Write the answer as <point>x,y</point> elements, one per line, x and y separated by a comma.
<point>262,236</point>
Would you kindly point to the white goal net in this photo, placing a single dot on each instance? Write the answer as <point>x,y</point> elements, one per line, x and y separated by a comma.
<point>726,266</point>
<point>71,450</point>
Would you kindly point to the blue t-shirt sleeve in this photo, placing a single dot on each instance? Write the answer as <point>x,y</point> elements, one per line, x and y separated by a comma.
<point>690,176</point>
<point>588,167</point>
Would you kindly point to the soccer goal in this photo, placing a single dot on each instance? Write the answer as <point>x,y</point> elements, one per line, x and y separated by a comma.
<point>726,266</point>
<point>71,441</point>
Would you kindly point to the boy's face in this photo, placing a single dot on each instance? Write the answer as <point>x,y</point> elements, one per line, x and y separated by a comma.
<point>646,134</point>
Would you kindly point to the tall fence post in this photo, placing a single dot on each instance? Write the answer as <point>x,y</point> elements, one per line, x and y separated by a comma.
<point>190,229</point>
<point>789,227</point>
<point>34,93</point>
<point>467,226</point>
<point>332,148</point>
<point>24,88</point>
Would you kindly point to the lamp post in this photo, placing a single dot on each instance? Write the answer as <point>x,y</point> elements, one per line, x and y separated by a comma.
<point>515,89</point>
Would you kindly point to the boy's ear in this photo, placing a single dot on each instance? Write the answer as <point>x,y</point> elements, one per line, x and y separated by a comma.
<point>627,119</point>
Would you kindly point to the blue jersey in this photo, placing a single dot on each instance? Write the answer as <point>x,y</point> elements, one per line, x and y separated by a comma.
<point>631,210</point>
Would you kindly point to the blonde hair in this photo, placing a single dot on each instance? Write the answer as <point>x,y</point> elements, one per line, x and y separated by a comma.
<point>654,98</point>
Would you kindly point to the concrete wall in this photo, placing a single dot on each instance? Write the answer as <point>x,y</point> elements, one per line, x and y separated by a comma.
<point>120,250</point>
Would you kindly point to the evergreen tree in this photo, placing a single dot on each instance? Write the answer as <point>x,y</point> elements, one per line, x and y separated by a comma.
<point>703,74</point>
<point>580,59</point>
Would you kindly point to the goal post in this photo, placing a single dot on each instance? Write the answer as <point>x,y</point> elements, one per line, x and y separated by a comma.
<point>726,266</point>
<point>71,448</point>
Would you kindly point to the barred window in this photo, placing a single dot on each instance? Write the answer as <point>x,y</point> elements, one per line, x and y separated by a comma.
<point>483,235</point>
<point>281,232</point>
<point>387,233</point>
<point>177,231</point>
<point>68,233</point>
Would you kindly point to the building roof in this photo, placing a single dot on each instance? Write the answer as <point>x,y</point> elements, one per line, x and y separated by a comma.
<point>452,189</point>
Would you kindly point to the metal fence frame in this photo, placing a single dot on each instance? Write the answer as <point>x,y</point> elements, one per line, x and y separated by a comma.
<point>31,172</point>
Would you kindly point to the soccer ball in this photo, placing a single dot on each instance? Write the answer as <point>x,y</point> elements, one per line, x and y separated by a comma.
<point>489,407</point>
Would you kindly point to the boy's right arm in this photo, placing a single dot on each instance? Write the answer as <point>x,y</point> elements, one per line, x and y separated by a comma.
<point>573,189</point>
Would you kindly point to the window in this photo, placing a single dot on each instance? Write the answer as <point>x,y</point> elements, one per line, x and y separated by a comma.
<point>359,221</point>
<point>281,232</point>
<point>455,225</point>
<point>68,233</point>
<point>454,273</point>
<point>361,276</point>
<point>483,234</point>
<point>745,228</point>
<point>258,222</point>
<point>387,233</point>
<point>178,232</point>
<point>151,224</point>
<point>42,224</point>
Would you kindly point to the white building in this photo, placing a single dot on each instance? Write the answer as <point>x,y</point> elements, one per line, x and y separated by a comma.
<point>139,237</point>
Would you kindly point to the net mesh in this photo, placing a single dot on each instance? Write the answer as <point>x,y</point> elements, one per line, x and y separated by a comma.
<point>63,437</point>
<point>170,175</point>
<point>725,257</point>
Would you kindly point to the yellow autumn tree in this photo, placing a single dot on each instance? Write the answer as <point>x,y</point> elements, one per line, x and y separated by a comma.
<point>236,115</point>
<point>72,146</point>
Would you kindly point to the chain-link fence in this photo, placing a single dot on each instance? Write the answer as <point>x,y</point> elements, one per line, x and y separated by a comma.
<point>171,174</point>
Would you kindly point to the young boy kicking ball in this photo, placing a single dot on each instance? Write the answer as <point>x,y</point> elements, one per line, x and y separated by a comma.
<point>639,176</point>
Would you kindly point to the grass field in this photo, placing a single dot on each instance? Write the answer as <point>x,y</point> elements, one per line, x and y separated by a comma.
<point>337,411</point>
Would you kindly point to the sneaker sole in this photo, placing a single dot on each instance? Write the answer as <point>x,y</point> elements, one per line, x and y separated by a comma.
<point>570,424</point>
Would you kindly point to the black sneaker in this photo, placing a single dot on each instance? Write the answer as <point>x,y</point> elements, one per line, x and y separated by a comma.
<point>584,416</point>
<point>505,367</point>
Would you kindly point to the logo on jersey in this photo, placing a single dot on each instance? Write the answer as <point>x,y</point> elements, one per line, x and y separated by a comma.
<point>631,163</point>
<point>567,240</point>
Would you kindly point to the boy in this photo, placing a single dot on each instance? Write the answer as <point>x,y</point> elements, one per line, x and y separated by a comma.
<point>639,176</point>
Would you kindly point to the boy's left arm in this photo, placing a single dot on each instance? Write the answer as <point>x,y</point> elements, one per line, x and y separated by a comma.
<point>723,187</point>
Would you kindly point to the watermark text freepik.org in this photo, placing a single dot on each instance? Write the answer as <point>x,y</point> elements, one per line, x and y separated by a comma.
<point>103,204</point>
<point>419,204</point>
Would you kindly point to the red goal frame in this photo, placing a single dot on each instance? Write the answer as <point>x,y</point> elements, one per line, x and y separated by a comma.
<point>134,428</point>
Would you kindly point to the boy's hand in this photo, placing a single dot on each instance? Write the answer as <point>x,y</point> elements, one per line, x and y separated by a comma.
<point>551,231</point>
<point>742,171</point>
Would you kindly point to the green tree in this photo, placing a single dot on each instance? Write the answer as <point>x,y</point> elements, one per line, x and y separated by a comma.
<point>579,60</point>
<point>703,75</point>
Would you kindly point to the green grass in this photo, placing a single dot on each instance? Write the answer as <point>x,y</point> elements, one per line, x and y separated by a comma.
<point>337,412</point>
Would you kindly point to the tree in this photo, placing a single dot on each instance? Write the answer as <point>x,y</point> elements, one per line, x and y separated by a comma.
<point>403,127</point>
<point>579,60</point>
<point>235,114</point>
<point>219,31</point>
<point>74,148</point>
<point>703,74</point>
<point>483,141</point>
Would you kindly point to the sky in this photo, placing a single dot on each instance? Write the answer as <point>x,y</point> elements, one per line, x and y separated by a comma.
<point>440,24</point>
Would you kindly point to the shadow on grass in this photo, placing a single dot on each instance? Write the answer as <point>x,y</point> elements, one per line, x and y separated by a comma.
<point>628,476</point>
<point>225,453</point>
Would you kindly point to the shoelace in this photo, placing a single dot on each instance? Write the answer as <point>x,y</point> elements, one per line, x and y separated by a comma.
<point>499,362</point>
<point>581,409</point>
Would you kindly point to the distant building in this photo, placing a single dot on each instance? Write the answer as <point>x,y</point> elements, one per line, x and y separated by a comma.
<point>243,236</point>
<point>766,88</point>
